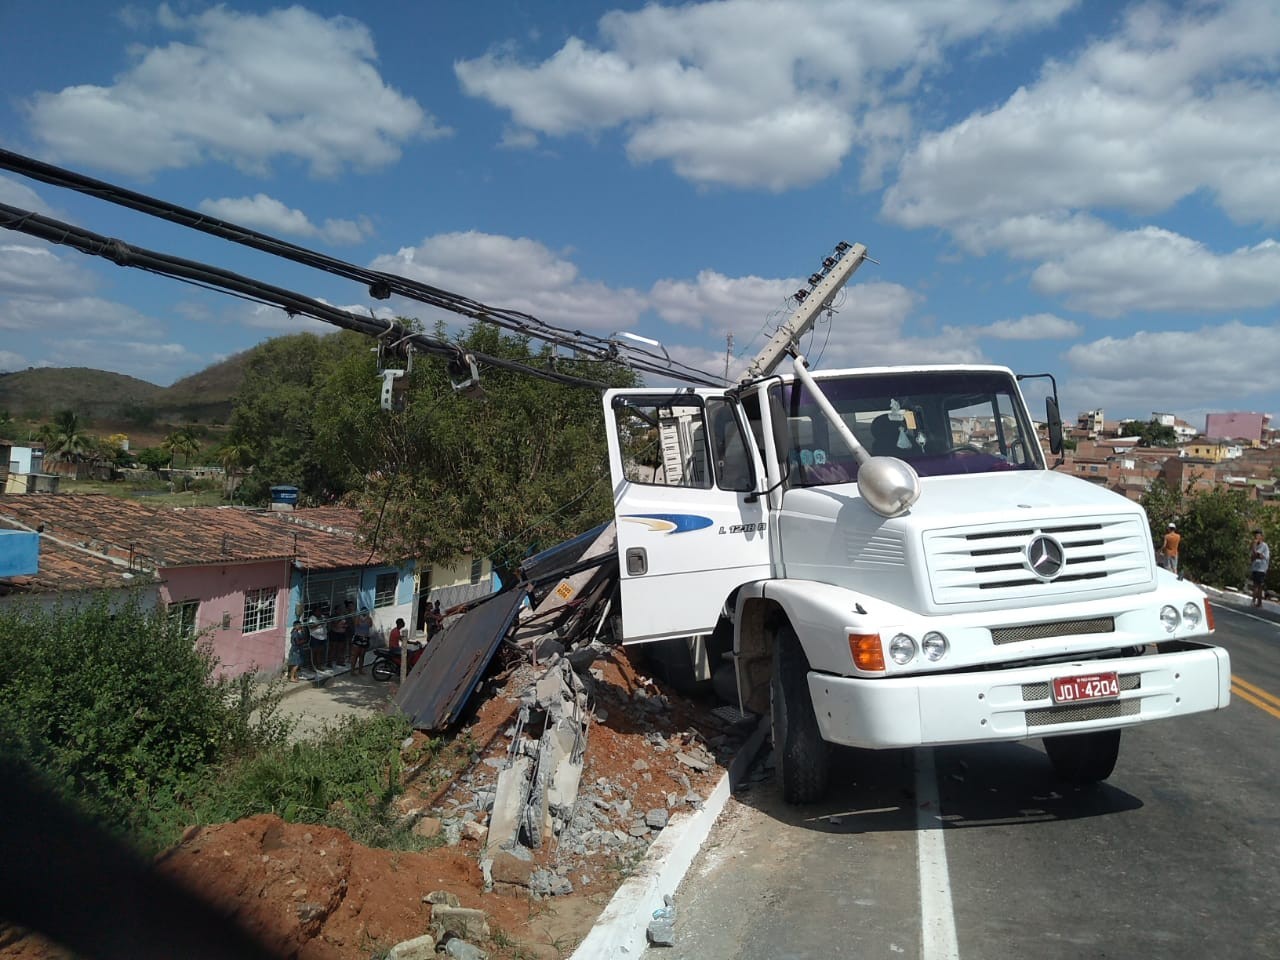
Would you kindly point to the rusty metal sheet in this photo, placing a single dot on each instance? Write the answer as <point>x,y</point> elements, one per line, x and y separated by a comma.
<point>445,675</point>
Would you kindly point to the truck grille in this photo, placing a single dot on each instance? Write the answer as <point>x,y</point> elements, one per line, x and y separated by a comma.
<point>1059,628</point>
<point>985,563</point>
<point>1075,712</point>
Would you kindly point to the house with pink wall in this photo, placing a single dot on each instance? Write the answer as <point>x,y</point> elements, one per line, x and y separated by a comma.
<point>237,577</point>
<point>240,608</point>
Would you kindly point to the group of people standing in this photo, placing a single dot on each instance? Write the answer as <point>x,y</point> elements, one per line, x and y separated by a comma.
<point>342,639</point>
<point>326,640</point>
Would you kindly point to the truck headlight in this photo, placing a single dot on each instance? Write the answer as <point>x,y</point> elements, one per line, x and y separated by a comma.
<point>934,646</point>
<point>1191,614</point>
<point>1169,617</point>
<point>902,648</point>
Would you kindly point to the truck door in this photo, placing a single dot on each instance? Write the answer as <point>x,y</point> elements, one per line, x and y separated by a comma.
<point>690,529</point>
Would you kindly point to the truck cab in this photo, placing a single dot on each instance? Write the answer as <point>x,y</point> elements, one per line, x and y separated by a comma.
<point>884,558</point>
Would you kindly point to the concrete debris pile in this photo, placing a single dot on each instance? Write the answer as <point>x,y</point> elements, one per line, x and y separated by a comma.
<point>545,828</point>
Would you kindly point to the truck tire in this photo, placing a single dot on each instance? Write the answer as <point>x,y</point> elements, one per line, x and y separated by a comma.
<point>1084,757</point>
<point>802,757</point>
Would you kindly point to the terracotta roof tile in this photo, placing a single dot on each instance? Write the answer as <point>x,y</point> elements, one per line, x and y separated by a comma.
<point>64,567</point>
<point>192,536</point>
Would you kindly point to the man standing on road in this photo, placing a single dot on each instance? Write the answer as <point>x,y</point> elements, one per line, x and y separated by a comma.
<point>1170,548</point>
<point>1259,561</point>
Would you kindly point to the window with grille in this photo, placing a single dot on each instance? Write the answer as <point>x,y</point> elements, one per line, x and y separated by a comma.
<point>259,610</point>
<point>384,590</point>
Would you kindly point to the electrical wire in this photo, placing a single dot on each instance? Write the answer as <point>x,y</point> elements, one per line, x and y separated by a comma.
<point>293,303</point>
<point>380,284</point>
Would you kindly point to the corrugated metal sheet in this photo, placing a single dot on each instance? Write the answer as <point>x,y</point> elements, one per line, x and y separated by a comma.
<point>447,672</point>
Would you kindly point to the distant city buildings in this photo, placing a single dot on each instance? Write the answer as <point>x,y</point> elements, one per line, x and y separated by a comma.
<point>1235,450</point>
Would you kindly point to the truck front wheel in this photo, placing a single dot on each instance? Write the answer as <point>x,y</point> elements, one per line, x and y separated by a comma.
<point>803,758</point>
<point>1084,757</point>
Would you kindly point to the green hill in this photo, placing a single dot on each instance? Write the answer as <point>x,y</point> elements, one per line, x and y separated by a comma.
<point>112,398</point>
<point>39,393</point>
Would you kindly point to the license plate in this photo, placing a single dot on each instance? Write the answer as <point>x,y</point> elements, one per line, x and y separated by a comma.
<point>1093,686</point>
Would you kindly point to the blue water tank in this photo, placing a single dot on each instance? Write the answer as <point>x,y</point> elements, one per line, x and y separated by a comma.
<point>284,495</point>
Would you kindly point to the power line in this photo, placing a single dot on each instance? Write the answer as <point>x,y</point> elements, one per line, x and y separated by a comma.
<point>390,331</point>
<point>381,285</point>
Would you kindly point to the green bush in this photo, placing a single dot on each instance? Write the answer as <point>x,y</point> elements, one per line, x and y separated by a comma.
<point>118,711</point>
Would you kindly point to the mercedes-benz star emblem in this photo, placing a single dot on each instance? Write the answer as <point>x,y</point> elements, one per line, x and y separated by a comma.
<point>1045,556</point>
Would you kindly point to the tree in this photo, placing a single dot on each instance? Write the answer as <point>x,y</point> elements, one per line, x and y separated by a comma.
<point>1152,433</point>
<point>446,477</point>
<point>235,456</point>
<point>525,467</point>
<point>154,457</point>
<point>181,442</point>
<point>1215,528</point>
<point>274,413</point>
<point>66,438</point>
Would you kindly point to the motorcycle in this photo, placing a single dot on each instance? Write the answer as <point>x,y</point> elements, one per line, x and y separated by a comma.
<point>386,662</point>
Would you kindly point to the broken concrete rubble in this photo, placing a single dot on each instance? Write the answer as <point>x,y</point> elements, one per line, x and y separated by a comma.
<point>529,792</point>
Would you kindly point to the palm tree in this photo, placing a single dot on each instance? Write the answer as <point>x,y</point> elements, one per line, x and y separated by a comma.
<point>66,438</point>
<point>181,441</point>
<point>235,455</point>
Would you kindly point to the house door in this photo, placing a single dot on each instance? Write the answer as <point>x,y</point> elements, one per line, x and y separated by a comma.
<point>690,529</point>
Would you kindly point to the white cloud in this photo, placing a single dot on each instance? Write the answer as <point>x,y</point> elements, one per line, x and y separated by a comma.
<point>721,303</point>
<point>1129,374</point>
<point>870,328</point>
<point>1152,269</point>
<point>751,93</point>
<point>268,214</point>
<point>30,268</point>
<point>248,89</point>
<point>77,316</point>
<point>1175,102</point>
<point>10,361</point>
<point>515,274</point>
<point>17,194</point>
<point>1034,326</point>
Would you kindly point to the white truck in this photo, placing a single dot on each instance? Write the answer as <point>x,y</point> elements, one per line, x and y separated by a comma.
<point>886,560</point>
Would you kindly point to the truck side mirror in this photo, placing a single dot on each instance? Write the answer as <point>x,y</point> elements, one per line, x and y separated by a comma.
<point>1053,419</point>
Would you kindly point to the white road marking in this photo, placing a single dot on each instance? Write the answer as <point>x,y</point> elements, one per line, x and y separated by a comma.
<point>1220,607</point>
<point>937,920</point>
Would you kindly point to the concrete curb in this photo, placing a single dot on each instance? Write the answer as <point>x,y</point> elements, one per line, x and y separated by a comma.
<point>620,929</point>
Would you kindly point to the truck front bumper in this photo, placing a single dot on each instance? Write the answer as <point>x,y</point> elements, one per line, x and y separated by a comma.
<point>1017,703</point>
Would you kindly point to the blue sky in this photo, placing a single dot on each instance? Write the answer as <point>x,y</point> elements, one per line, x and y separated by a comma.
<point>1086,188</point>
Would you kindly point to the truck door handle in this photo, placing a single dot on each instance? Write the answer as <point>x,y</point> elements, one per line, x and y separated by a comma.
<point>637,562</point>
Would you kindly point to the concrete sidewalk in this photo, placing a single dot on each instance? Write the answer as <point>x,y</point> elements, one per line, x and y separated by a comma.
<point>332,696</point>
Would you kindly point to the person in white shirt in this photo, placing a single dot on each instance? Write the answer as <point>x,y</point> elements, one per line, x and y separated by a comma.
<point>1259,562</point>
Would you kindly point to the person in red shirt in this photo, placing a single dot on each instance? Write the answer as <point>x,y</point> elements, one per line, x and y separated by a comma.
<point>397,633</point>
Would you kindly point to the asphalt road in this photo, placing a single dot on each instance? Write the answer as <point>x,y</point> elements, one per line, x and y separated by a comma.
<point>987,856</point>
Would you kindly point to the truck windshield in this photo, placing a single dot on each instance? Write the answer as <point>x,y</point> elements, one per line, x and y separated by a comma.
<point>941,422</point>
